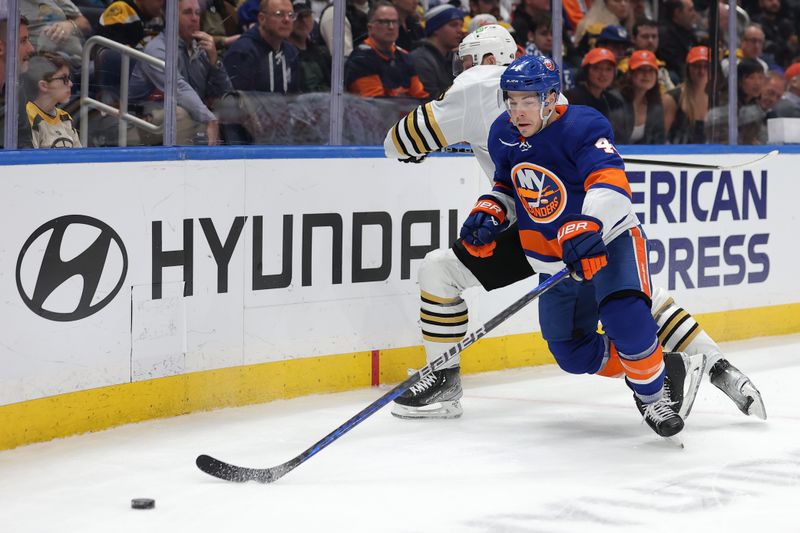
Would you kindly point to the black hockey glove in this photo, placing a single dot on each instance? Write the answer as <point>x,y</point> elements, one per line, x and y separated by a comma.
<point>413,159</point>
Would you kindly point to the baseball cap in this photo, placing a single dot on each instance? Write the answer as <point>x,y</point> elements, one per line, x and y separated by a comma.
<point>598,55</point>
<point>698,53</point>
<point>301,6</point>
<point>792,71</point>
<point>643,58</point>
<point>613,34</point>
<point>439,16</point>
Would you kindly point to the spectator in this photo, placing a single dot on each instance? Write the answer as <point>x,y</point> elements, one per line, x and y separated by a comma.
<point>752,47</point>
<point>129,22</point>
<point>686,106</point>
<point>201,78</point>
<point>480,20</point>
<point>56,26</point>
<point>411,33</point>
<point>645,37</point>
<point>48,82</point>
<point>314,59</point>
<point>524,15</point>
<point>602,13</point>
<point>220,22</point>
<point>433,58</point>
<point>614,38</point>
<point>479,8</point>
<point>598,70</point>
<point>780,35</point>
<point>378,67</point>
<point>771,92</point>
<point>355,24</point>
<point>263,59</point>
<point>641,118</point>
<point>789,104</point>
<point>24,52</point>
<point>540,37</point>
<point>752,118</point>
<point>751,79</point>
<point>676,35</point>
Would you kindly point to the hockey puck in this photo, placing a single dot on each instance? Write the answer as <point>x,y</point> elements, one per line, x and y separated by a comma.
<point>143,503</point>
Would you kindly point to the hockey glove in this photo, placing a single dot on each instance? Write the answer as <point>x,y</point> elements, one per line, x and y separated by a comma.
<point>582,246</point>
<point>485,221</point>
<point>413,159</point>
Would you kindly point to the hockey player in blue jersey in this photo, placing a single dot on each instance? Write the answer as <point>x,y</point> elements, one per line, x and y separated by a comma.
<point>558,174</point>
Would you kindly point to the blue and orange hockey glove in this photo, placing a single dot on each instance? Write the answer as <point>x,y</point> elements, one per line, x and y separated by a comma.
<point>485,221</point>
<point>582,246</point>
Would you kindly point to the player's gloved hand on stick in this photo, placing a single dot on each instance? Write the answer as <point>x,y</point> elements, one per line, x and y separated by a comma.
<point>582,246</point>
<point>485,221</point>
<point>413,159</point>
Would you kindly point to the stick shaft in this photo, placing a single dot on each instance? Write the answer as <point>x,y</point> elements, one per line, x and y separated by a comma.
<point>436,364</point>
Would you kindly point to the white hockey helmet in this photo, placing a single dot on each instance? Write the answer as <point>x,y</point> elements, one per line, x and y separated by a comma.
<point>490,39</point>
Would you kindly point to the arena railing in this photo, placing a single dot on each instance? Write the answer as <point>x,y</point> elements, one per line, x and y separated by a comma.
<point>121,113</point>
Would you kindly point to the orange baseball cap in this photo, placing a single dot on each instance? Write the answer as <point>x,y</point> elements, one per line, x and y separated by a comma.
<point>643,58</point>
<point>598,55</point>
<point>792,71</point>
<point>698,53</point>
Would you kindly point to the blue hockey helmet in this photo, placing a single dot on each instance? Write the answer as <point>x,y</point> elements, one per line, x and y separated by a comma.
<point>532,73</point>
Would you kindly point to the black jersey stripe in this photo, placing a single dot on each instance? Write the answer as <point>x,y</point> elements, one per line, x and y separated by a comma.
<point>435,132</point>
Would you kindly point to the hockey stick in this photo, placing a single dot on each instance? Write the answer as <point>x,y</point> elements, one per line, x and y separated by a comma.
<point>656,162</point>
<point>230,472</point>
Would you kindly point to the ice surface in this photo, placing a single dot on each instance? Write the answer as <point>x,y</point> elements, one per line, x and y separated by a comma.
<point>536,451</point>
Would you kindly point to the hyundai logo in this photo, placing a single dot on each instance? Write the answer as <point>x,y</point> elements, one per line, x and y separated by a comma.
<point>60,254</point>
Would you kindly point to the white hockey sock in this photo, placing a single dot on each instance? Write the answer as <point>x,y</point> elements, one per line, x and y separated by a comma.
<point>678,331</point>
<point>444,323</point>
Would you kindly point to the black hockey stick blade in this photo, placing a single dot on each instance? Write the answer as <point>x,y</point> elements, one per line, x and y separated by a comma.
<point>240,474</point>
<point>229,472</point>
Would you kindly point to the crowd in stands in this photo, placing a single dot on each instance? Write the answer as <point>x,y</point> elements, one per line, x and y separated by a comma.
<point>647,67</point>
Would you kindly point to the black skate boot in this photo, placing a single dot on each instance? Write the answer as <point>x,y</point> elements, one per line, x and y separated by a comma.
<point>684,373</point>
<point>434,396</point>
<point>738,388</point>
<point>662,416</point>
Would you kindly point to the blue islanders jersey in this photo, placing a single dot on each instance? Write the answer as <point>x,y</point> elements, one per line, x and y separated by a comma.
<point>569,167</point>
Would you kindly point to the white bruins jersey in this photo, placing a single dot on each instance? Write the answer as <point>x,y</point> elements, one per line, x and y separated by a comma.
<point>51,131</point>
<point>464,113</point>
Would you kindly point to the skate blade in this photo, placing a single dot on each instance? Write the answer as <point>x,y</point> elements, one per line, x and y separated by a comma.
<point>755,405</point>
<point>449,409</point>
<point>676,440</point>
<point>695,370</point>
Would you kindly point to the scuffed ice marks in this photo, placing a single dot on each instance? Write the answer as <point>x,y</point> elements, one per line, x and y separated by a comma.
<point>630,507</point>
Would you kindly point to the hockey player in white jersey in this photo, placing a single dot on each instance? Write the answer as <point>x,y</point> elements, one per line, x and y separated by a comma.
<point>464,113</point>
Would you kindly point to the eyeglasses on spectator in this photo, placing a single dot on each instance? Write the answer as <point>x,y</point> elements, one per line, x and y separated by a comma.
<point>291,15</point>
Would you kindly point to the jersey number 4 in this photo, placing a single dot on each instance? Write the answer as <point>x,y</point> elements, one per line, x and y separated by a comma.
<point>603,144</point>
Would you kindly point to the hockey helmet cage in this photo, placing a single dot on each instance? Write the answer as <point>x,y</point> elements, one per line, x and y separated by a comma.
<point>490,39</point>
<point>532,74</point>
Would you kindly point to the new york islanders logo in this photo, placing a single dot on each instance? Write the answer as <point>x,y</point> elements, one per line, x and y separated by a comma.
<point>549,65</point>
<point>540,191</point>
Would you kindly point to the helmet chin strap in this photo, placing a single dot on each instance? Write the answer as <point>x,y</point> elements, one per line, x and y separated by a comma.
<point>542,116</point>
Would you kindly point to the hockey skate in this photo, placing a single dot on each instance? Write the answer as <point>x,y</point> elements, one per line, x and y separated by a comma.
<point>684,373</point>
<point>662,416</point>
<point>738,388</point>
<point>434,396</point>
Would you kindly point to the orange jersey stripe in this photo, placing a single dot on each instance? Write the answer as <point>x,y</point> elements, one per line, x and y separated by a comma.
<point>535,241</point>
<point>609,176</point>
<point>642,266</point>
